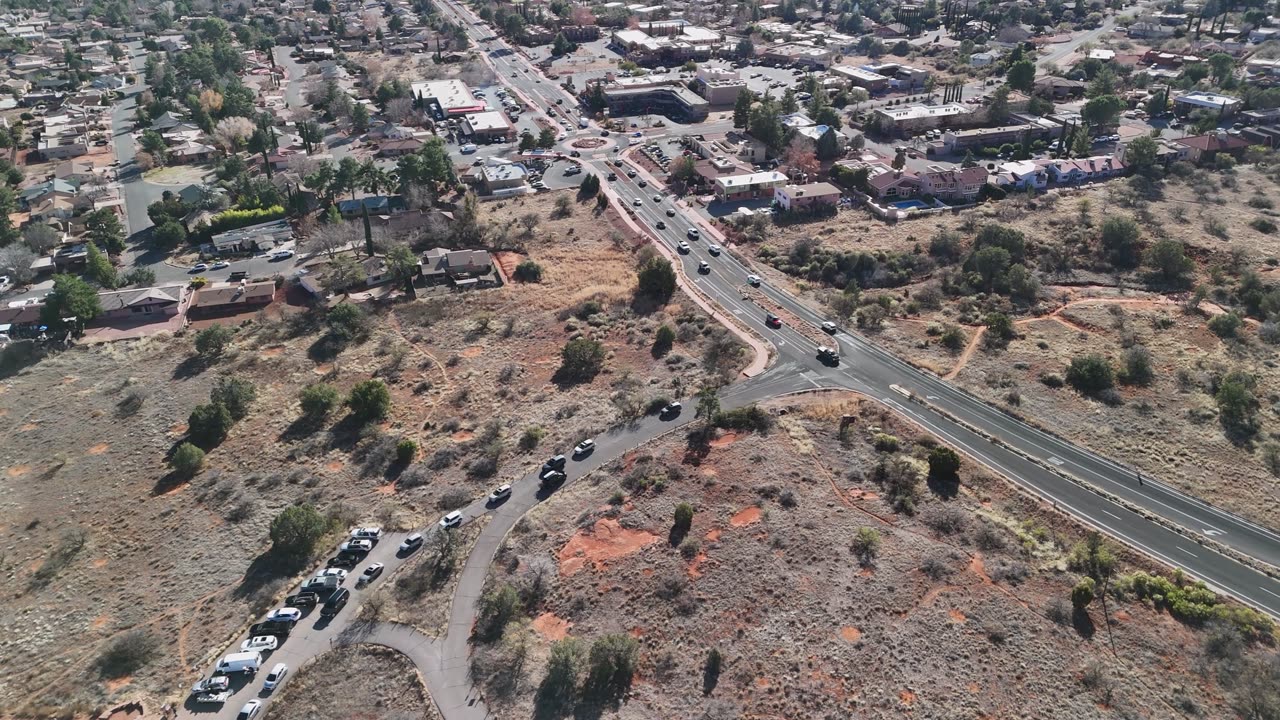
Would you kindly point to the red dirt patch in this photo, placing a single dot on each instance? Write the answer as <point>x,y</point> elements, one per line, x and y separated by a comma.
<point>850,634</point>
<point>726,439</point>
<point>178,429</point>
<point>323,368</point>
<point>98,449</point>
<point>957,616</point>
<point>762,682</point>
<point>745,517</point>
<point>908,698</point>
<point>334,465</point>
<point>19,470</point>
<point>272,351</point>
<point>695,566</point>
<point>462,435</point>
<point>473,351</point>
<point>551,627</point>
<point>99,562</point>
<point>712,535</point>
<point>606,541</point>
<point>101,621</point>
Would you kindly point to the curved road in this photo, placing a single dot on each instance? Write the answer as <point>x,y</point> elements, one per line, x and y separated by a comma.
<point>1096,490</point>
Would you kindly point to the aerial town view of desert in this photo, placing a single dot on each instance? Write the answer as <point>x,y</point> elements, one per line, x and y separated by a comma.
<point>593,359</point>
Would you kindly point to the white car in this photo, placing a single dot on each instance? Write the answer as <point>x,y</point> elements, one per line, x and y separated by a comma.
<point>260,643</point>
<point>198,267</point>
<point>683,247</point>
<point>250,710</point>
<point>637,202</point>
<point>501,492</point>
<point>275,677</point>
<point>333,572</point>
<point>704,267</point>
<point>285,614</point>
<point>714,249</point>
<point>367,533</point>
<point>356,546</point>
<point>411,543</point>
<point>829,327</point>
<point>370,574</point>
<point>220,265</point>
<point>282,255</point>
<point>753,280</point>
<point>694,233</point>
<point>583,448</point>
<point>453,519</point>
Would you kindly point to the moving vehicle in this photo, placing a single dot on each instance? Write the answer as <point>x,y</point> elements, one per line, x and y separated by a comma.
<point>261,643</point>
<point>250,710</point>
<point>275,677</point>
<point>829,327</point>
<point>671,212</point>
<point>713,249</point>
<point>753,280</point>
<point>411,543</point>
<point>281,255</point>
<point>704,267</point>
<point>285,614</point>
<point>468,148</point>
<point>198,267</point>
<point>586,447</point>
<point>643,183</point>
<point>657,198</point>
<point>452,520</point>
<point>683,247</point>
<point>671,410</point>
<point>335,603</point>
<point>772,320</point>
<point>502,492</point>
<point>828,356</point>
<point>220,265</point>
<point>370,574</point>
<point>694,233</point>
<point>583,122</point>
<point>637,202</point>
<point>661,225</point>
<point>244,662</point>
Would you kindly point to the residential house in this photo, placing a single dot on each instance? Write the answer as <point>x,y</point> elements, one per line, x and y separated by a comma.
<point>76,172</point>
<point>460,267</point>
<point>192,152</point>
<point>230,298</point>
<point>1070,172</point>
<point>167,121</point>
<point>1151,31</point>
<point>375,204</point>
<point>1020,175</point>
<point>397,148</point>
<point>62,148</point>
<point>953,184</point>
<point>151,303</point>
<point>30,196</point>
<point>262,236</point>
<point>1167,152</point>
<point>1059,88</point>
<point>21,321</point>
<point>1202,149</point>
<point>749,186</point>
<point>894,185</point>
<point>812,196</point>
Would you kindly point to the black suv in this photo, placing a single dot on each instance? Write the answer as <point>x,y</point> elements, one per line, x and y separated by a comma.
<point>335,603</point>
<point>302,600</point>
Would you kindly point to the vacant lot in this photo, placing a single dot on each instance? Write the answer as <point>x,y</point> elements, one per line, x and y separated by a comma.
<point>1075,300</point>
<point>111,555</point>
<point>361,681</point>
<point>960,610</point>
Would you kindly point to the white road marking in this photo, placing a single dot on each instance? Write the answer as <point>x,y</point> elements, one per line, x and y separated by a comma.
<point>1211,532</point>
<point>1267,591</point>
<point>1189,552</point>
<point>1113,515</point>
<point>1055,460</point>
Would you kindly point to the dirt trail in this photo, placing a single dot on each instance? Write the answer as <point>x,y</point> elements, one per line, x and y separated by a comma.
<point>394,322</point>
<point>969,350</point>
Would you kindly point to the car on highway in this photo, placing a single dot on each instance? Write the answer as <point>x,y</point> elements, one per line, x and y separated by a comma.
<point>637,202</point>
<point>275,677</point>
<point>604,133</point>
<point>250,710</point>
<point>704,267</point>
<point>220,265</point>
<point>260,643</point>
<point>613,176</point>
<point>671,212</point>
<point>713,249</point>
<point>828,356</point>
<point>356,546</point>
<point>411,543</point>
<point>643,183</point>
<point>637,134</point>
<point>683,247</point>
<point>829,327</point>
<point>198,267</point>
<point>333,572</point>
<point>657,198</point>
<point>693,233</point>
<point>452,520</point>
<point>502,492</point>
<point>285,614</point>
<point>772,320</point>
<point>586,447</point>
<point>631,173</point>
<point>753,280</point>
<point>661,225</point>
<point>367,533</point>
<point>281,255</point>
<point>370,574</point>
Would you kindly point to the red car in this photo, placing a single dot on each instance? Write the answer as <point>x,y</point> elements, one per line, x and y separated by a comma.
<point>773,321</point>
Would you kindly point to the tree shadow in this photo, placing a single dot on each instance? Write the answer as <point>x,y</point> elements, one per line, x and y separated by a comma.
<point>945,488</point>
<point>676,535</point>
<point>300,428</point>
<point>1083,624</point>
<point>642,304</point>
<point>266,568</point>
<point>326,348</point>
<point>710,678</point>
<point>698,444</point>
<point>191,367</point>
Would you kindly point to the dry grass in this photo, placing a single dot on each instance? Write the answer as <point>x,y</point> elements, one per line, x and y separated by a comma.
<point>361,681</point>
<point>949,620</point>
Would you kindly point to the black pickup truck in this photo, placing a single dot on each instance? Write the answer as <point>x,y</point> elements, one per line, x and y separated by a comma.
<point>302,600</point>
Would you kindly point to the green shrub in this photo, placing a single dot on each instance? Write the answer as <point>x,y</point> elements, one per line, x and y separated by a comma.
<point>127,654</point>
<point>1263,225</point>
<point>683,517</point>
<point>297,529</point>
<point>1082,593</point>
<point>612,665</point>
<point>1225,325</point>
<point>369,400</point>
<point>944,463</point>
<point>751,418</point>
<point>212,341</point>
<point>187,460</point>
<point>581,360</point>
<point>406,450</point>
<point>348,321</point>
<point>885,443</point>
<point>1193,603</point>
<point>235,394</point>
<point>531,437</point>
<point>318,400</point>
<point>208,425</point>
<point>866,545</point>
<point>663,340</point>
<point>235,219</point>
<point>953,338</point>
<point>498,607</point>
<point>1090,374</point>
<point>528,271</point>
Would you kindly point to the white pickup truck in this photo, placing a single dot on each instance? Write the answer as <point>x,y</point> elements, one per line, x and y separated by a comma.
<point>213,691</point>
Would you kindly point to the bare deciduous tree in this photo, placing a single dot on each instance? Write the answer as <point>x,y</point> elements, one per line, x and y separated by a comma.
<point>334,237</point>
<point>230,133</point>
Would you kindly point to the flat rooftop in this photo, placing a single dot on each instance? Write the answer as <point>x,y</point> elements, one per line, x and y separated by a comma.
<point>916,112</point>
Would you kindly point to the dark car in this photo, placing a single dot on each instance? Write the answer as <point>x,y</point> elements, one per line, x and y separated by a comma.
<point>551,479</point>
<point>335,603</point>
<point>772,320</point>
<point>302,600</point>
<point>555,463</point>
<point>344,560</point>
<point>276,628</point>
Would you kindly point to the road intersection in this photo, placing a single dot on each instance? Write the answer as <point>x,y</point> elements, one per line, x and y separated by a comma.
<point>1220,548</point>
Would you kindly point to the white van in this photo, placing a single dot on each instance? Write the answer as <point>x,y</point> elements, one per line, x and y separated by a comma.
<point>583,122</point>
<point>245,662</point>
<point>468,148</point>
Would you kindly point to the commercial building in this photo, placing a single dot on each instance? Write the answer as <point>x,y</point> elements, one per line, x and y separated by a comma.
<point>914,118</point>
<point>669,98</point>
<point>857,77</point>
<point>901,77</point>
<point>488,125</point>
<point>958,141</point>
<point>1224,105</point>
<point>750,185</point>
<point>496,177</point>
<point>663,43</point>
<point>811,56</point>
<point>807,197</point>
<point>447,98</point>
<point>720,86</point>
